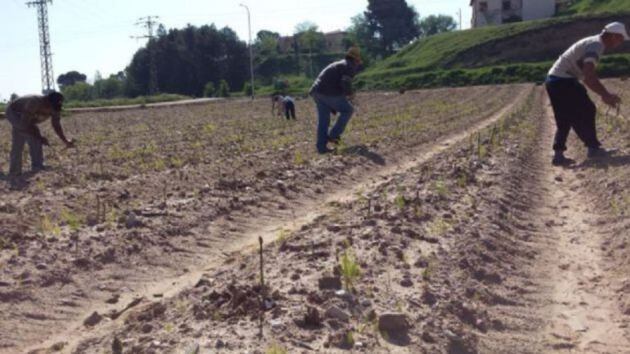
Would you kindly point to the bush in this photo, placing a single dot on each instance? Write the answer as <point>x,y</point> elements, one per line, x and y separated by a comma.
<point>224,89</point>
<point>78,92</point>
<point>247,89</point>
<point>281,85</point>
<point>209,90</point>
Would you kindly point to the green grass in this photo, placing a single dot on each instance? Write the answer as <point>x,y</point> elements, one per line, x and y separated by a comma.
<point>440,51</point>
<point>611,66</point>
<point>598,6</point>
<point>438,61</point>
<point>165,97</point>
<point>350,269</point>
<point>298,86</point>
<point>126,101</point>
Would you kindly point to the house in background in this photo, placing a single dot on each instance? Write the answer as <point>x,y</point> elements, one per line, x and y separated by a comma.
<point>496,12</point>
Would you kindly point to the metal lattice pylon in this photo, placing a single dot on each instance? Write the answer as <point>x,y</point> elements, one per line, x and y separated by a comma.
<point>48,80</point>
<point>149,23</point>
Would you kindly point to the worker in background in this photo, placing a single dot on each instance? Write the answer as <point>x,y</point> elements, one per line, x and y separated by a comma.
<point>286,106</point>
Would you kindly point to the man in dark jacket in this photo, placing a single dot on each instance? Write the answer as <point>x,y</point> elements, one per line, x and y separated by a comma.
<point>573,109</point>
<point>24,113</point>
<point>332,92</point>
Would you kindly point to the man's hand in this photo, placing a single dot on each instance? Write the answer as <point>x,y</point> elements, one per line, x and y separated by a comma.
<point>611,99</point>
<point>70,144</point>
<point>44,141</point>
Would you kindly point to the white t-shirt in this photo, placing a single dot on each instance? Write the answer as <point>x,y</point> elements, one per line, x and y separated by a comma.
<point>571,63</point>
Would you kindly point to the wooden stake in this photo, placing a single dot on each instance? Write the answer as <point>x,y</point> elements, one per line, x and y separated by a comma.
<point>262,270</point>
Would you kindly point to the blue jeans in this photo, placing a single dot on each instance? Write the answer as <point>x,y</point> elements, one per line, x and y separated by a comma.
<point>18,139</point>
<point>325,105</point>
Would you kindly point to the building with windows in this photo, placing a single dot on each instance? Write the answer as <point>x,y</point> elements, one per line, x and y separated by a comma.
<point>496,12</point>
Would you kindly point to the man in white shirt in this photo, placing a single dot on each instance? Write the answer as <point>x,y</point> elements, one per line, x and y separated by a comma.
<point>571,104</point>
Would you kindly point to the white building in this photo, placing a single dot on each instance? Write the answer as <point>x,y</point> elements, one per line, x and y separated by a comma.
<point>496,12</point>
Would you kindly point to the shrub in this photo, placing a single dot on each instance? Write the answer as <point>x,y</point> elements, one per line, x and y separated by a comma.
<point>209,90</point>
<point>224,89</point>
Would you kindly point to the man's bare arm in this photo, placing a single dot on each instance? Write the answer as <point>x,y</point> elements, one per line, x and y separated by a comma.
<point>56,123</point>
<point>592,81</point>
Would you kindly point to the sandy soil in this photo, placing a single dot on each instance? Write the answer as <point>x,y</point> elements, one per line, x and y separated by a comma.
<point>460,240</point>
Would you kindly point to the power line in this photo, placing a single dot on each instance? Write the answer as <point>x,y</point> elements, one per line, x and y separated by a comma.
<point>149,23</point>
<point>48,81</point>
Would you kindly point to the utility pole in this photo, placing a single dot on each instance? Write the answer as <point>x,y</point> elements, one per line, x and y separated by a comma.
<point>460,18</point>
<point>149,23</point>
<point>48,80</point>
<point>251,55</point>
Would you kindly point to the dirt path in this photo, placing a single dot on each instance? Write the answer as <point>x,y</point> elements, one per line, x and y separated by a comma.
<point>563,284</point>
<point>583,311</point>
<point>303,213</point>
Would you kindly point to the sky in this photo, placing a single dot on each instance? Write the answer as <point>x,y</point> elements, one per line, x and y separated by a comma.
<point>96,35</point>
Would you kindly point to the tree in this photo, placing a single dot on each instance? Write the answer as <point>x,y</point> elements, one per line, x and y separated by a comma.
<point>109,88</point>
<point>247,89</point>
<point>161,31</point>
<point>209,90</point>
<point>187,59</point>
<point>266,44</point>
<point>80,91</point>
<point>70,78</point>
<point>392,23</point>
<point>224,89</point>
<point>437,24</point>
<point>310,38</point>
<point>359,34</point>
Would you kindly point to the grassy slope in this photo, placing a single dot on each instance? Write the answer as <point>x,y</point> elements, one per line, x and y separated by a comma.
<point>438,52</point>
<point>611,66</point>
<point>430,62</point>
<point>598,6</point>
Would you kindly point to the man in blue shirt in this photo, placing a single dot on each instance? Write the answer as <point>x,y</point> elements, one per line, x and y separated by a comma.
<point>332,92</point>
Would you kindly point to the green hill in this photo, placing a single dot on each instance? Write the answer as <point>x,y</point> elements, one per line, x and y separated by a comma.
<point>526,48</point>
<point>598,6</point>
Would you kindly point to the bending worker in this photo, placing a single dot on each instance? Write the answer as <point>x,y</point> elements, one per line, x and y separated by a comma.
<point>332,91</point>
<point>24,113</point>
<point>286,105</point>
<point>572,106</point>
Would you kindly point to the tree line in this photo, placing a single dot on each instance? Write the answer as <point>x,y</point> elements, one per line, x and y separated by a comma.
<point>211,61</point>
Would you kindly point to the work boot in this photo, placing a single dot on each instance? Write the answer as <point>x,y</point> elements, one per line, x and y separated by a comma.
<point>598,152</point>
<point>594,153</point>
<point>335,141</point>
<point>42,168</point>
<point>326,151</point>
<point>560,160</point>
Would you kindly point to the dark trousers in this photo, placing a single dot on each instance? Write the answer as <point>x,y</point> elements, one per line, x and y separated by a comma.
<point>289,110</point>
<point>325,106</point>
<point>572,108</point>
<point>18,139</point>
